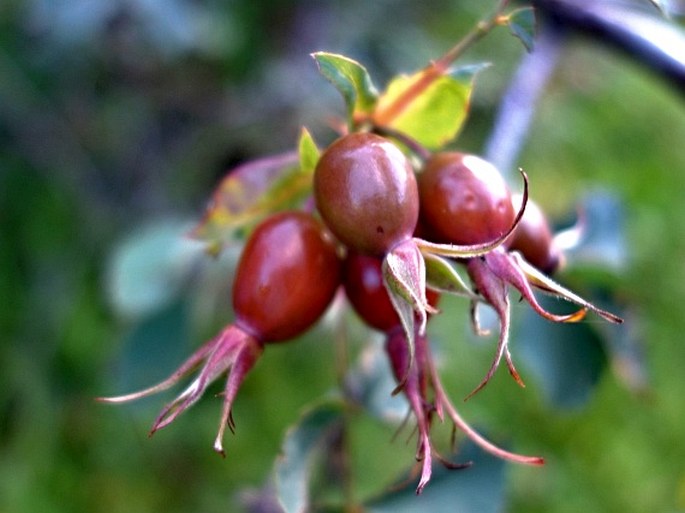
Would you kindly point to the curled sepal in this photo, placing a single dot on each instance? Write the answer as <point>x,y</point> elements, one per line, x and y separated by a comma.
<point>546,284</point>
<point>459,422</point>
<point>507,267</point>
<point>415,391</point>
<point>404,277</point>
<point>233,351</point>
<point>442,277</point>
<point>495,292</point>
<point>421,378</point>
<point>475,250</point>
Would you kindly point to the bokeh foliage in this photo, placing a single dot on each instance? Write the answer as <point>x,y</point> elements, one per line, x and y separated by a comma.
<point>120,116</point>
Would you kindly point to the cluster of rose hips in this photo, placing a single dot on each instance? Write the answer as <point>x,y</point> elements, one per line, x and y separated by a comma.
<point>379,231</point>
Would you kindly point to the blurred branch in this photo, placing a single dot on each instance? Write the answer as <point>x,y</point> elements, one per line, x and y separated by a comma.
<point>517,108</point>
<point>654,42</point>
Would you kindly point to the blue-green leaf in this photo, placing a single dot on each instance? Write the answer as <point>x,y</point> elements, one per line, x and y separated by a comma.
<point>371,383</point>
<point>476,489</point>
<point>600,240</point>
<point>522,25</point>
<point>567,359</point>
<point>303,442</point>
<point>154,346</point>
<point>149,267</point>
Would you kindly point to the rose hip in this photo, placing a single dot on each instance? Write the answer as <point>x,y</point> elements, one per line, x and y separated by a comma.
<point>287,276</point>
<point>366,192</point>
<point>464,199</point>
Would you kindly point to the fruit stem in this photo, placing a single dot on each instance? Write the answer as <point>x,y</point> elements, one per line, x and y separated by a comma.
<point>414,146</point>
<point>342,440</point>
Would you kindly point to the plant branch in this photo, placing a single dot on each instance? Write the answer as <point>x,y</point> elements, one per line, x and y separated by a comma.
<point>438,68</point>
<point>481,29</point>
<point>654,42</point>
<point>518,106</point>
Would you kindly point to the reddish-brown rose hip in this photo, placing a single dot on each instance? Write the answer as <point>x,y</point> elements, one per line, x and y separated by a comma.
<point>363,282</point>
<point>286,277</point>
<point>464,199</point>
<point>366,192</point>
<point>533,238</point>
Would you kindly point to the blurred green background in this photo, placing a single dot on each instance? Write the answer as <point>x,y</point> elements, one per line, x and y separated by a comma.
<point>117,120</point>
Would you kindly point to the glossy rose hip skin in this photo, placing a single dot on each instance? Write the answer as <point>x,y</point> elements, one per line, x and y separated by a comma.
<point>286,277</point>
<point>534,240</point>
<point>464,199</point>
<point>366,192</point>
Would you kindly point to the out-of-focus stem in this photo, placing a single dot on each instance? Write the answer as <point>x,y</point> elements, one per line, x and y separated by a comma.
<point>516,111</point>
<point>438,68</point>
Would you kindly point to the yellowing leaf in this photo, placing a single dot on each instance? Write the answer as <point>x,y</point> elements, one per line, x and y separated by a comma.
<point>428,106</point>
<point>249,193</point>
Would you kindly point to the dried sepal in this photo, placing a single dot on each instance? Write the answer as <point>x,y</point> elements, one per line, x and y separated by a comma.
<point>508,268</point>
<point>404,277</point>
<point>233,352</point>
<point>494,291</point>
<point>421,379</point>
<point>546,284</point>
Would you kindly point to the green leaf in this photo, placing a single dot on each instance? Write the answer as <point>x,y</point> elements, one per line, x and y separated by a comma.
<point>428,106</point>
<point>249,193</point>
<point>351,79</point>
<point>150,266</point>
<point>479,488</point>
<point>599,239</point>
<point>303,442</point>
<point>522,25</point>
<point>371,384</point>
<point>154,345</point>
<point>308,152</point>
<point>443,277</point>
<point>568,359</point>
